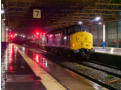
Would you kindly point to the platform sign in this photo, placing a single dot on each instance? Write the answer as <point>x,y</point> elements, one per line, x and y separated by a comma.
<point>36,13</point>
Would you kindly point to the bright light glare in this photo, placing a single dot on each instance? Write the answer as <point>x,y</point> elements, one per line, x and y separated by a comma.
<point>37,33</point>
<point>24,36</point>
<point>100,23</point>
<point>50,35</point>
<point>37,58</point>
<point>80,22</point>
<point>23,49</point>
<point>2,11</point>
<point>112,50</point>
<point>97,18</point>
<point>6,28</point>
<point>16,34</point>
<point>65,38</point>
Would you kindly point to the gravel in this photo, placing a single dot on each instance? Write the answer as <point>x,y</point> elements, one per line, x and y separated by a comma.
<point>95,74</point>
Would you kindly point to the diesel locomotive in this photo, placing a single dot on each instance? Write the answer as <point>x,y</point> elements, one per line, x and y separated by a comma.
<point>64,43</point>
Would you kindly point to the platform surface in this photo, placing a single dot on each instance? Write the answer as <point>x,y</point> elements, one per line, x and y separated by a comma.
<point>108,50</point>
<point>31,70</point>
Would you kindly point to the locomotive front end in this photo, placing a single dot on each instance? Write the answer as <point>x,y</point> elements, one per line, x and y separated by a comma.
<point>82,43</point>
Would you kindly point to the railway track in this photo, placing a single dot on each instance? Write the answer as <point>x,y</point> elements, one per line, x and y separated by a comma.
<point>104,68</point>
<point>75,67</point>
<point>88,77</point>
<point>99,70</point>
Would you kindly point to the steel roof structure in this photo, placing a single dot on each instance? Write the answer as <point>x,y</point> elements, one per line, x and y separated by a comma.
<point>59,13</point>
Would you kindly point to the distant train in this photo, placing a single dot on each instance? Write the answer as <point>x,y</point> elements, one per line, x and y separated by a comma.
<point>63,43</point>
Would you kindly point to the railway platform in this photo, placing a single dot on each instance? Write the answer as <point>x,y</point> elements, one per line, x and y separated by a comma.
<point>28,69</point>
<point>108,50</point>
<point>109,56</point>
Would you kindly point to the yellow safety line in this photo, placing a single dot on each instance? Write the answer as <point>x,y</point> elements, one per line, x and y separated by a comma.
<point>47,80</point>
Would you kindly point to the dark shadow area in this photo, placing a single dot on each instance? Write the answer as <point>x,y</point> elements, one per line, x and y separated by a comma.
<point>35,85</point>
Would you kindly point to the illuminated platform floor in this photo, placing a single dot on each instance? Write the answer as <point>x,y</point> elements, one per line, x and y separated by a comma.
<point>108,50</point>
<point>30,70</point>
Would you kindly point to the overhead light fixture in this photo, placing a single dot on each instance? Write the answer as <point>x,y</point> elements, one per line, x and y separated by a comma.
<point>2,11</point>
<point>65,38</point>
<point>98,18</point>
<point>23,36</point>
<point>7,29</point>
<point>100,23</point>
<point>80,22</point>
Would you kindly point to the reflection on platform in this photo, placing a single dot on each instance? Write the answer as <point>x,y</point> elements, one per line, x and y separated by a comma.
<point>40,60</point>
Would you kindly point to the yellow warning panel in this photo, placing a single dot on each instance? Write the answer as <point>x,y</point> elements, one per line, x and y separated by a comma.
<point>81,40</point>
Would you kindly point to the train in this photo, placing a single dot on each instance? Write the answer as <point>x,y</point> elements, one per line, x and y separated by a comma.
<point>67,43</point>
<point>77,43</point>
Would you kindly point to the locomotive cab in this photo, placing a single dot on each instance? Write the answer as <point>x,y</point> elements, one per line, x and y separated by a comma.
<point>81,43</point>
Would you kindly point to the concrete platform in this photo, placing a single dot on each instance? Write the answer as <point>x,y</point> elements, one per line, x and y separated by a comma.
<point>108,50</point>
<point>29,70</point>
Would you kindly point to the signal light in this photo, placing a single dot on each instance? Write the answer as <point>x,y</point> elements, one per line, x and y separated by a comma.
<point>11,36</point>
<point>37,33</point>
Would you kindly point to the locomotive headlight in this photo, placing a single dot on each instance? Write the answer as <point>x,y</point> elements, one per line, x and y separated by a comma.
<point>73,45</point>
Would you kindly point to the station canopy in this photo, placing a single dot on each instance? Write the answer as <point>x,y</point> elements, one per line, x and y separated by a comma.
<point>56,14</point>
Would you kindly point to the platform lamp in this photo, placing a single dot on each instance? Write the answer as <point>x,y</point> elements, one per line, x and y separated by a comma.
<point>80,22</point>
<point>104,34</point>
<point>99,19</point>
<point>104,43</point>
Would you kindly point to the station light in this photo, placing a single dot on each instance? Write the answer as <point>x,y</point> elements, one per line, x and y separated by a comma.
<point>37,33</point>
<point>44,33</point>
<point>100,23</point>
<point>11,36</point>
<point>7,29</point>
<point>37,58</point>
<point>80,22</point>
<point>2,11</point>
<point>23,36</point>
<point>65,38</point>
<point>16,34</point>
<point>98,18</point>
<point>50,35</point>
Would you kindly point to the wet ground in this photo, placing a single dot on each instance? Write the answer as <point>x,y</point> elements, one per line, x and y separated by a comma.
<point>20,76</point>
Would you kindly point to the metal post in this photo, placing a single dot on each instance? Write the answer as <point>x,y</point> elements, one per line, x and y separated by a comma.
<point>104,43</point>
<point>117,30</point>
<point>98,36</point>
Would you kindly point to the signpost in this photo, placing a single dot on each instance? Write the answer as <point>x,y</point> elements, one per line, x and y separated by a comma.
<point>36,13</point>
